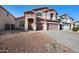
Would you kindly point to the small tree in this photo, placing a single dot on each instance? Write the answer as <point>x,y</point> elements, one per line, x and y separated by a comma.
<point>75,28</point>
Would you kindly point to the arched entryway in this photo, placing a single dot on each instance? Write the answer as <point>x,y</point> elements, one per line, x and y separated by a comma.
<point>30,24</point>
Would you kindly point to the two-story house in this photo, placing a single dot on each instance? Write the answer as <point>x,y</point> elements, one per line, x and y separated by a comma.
<point>38,19</point>
<point>66,22</point>
<point>7,21</point>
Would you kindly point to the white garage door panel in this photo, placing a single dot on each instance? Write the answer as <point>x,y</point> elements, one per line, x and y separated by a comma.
<point>66,27</point>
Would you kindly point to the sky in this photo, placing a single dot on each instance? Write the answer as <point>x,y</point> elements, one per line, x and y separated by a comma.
<point>18,10</point>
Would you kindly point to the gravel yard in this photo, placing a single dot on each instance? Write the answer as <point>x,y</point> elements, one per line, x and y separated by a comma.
<point>29,42</point>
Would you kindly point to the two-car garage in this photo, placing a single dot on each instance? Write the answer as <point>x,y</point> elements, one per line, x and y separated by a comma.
<point>9,26</point>
<point>52,26</point>
<point>65,26</point>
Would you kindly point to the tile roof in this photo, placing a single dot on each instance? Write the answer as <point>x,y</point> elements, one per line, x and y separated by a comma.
<point>49,10</point>
<point>6,10</point>
<point>28,12</point>
<point>36,9</point>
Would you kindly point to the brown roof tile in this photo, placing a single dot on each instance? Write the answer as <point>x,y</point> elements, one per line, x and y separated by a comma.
<point>36,9</point>
<point>49,10</point>
<point>29,12</point>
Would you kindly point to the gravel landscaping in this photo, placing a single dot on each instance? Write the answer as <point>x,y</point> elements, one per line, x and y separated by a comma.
<point>30,42</point>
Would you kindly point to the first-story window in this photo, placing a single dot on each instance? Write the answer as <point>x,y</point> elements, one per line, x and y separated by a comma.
<point>21,24</point>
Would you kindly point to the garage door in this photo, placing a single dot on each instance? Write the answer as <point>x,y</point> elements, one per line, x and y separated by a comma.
<point>51,26</point>
<point>39,26</point>
<point>12,26</point>
<point>7,26</point>
<point>66,27</point>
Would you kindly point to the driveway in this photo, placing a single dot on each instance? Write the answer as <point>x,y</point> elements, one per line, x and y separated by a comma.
<point>68,38</point>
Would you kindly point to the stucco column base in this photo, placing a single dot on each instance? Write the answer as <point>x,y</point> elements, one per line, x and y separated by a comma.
<point>26,27</point>
<point>34,27</point>
<point>58,26</point>
<point>45,26</point>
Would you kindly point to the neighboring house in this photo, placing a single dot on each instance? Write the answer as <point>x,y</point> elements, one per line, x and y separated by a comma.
<point>6,19</point>
<point>66,22</point>
<point>76,24</point>
<point>38,19</point>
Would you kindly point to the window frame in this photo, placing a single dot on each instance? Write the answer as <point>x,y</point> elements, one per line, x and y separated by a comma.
<point>39,13</point>
<point>21,23</point>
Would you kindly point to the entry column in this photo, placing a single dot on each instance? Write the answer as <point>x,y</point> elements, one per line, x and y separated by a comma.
<point>34,24</point>
<point>45,25</point>
<point>26,25</point>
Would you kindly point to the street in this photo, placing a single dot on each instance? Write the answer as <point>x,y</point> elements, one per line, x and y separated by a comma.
<point>67,38</point>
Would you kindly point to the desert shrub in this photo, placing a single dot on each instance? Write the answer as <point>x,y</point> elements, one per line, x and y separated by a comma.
<point>75,29</point>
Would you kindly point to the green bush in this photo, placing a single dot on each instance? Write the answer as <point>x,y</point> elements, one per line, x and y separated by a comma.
<point>75,29</point>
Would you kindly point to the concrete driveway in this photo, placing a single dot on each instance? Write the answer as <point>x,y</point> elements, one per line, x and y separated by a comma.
<point>68,38</point>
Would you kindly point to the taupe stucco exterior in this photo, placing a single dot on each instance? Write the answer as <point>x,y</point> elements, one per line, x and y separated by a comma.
<point>44,22</point>
<point>17,22</point>
<point>30,16</point>
<point>5,18</point>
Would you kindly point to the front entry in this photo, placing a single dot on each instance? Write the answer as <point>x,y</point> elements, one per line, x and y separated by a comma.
<point>30,24</point>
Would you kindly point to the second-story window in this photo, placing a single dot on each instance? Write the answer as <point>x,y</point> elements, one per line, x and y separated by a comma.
<point>39,14</point>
